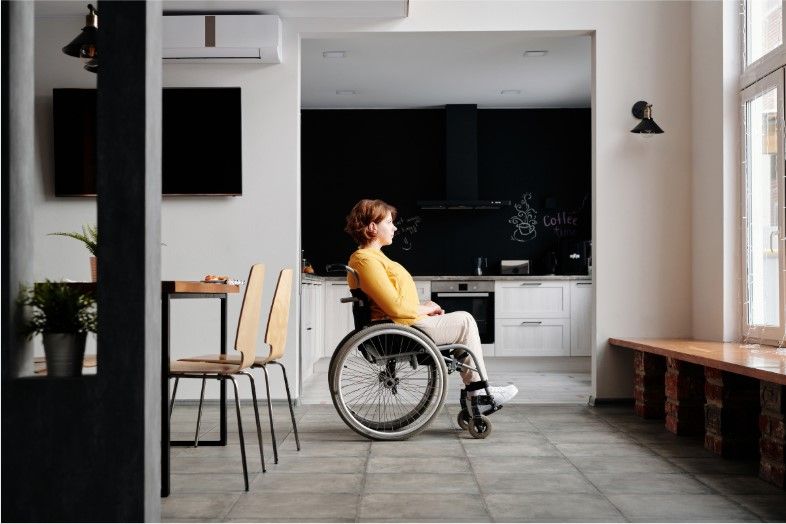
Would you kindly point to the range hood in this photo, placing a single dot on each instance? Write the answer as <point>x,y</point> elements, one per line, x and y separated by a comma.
<point>461,162</point>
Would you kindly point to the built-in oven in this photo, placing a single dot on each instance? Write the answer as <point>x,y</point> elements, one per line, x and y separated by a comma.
<point>473,296</point>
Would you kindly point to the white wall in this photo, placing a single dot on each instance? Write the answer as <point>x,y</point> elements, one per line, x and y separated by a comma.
<point>715,59</point>
<point>641,188</point>
<point>220,235</point>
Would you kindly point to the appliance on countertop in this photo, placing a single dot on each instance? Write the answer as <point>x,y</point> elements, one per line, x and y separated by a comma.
<point>474,296</point>
<point>575,257</point>
<point>514,267</point>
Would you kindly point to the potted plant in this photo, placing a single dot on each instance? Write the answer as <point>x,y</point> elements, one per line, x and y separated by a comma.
<point>89,236</point>
<point>63,314</point>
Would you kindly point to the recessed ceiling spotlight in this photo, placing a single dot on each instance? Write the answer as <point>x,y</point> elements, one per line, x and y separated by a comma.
<point>334,54</point>
<point>346,92</point>
<point>510,92</point>
<point>533,54</point>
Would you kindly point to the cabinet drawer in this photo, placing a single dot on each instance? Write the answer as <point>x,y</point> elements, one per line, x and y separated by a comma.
<point>532,299</point>
<point>532,337</point>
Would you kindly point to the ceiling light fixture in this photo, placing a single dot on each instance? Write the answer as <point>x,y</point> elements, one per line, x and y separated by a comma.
<point>534,54</point>
<point>84,45</point>
<point>510,92</point>
<point>647,126</point>
<point>346,92</point>
<point>334,54</point>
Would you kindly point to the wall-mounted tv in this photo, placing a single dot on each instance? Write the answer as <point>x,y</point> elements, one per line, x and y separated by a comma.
<point>201,144</point>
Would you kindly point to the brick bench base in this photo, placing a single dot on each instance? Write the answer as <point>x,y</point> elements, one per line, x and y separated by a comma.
<point>772,466</point>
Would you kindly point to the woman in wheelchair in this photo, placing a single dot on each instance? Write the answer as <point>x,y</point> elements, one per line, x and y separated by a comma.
<point>388,380</point>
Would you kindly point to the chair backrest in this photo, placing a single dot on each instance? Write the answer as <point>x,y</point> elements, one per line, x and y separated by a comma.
<point>278,321</point>
<point>248,323</point>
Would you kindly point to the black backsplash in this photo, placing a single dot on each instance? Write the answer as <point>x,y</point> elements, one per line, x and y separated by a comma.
<point>539,159</point>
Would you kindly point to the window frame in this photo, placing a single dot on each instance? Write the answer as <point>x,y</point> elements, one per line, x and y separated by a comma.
<point>774,335</point>
<point>767,63</point>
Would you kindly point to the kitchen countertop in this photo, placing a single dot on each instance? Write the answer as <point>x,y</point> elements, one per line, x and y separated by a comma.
<point>305,277</point>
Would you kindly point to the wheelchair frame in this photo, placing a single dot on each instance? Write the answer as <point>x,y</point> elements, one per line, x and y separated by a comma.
<point>470,417</point>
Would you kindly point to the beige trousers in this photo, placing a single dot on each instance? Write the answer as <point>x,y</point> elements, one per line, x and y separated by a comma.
<point>458,327</point>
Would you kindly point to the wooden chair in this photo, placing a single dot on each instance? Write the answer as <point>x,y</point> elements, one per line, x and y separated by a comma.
<point>245,343</point>
<point>276,338</point>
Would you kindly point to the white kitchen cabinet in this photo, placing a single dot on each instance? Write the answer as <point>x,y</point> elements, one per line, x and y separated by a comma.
<point>308,350</point>
<point>338,316</point>
<point>424,290</point>
<point>531,299</point>
<point>581,318</point>
<point>516,337</point>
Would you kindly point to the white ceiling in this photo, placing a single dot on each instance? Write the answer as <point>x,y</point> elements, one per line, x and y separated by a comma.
<point>416,70</point>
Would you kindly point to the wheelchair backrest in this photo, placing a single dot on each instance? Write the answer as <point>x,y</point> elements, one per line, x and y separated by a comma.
<point>361,306</point>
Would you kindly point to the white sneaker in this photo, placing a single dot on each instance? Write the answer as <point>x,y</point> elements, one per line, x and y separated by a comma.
<point>501,394</point>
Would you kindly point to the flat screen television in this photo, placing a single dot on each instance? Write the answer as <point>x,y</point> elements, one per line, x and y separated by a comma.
<point>201,144</point>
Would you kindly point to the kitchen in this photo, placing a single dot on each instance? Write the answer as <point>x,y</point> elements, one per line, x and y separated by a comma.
<point>487,158</point>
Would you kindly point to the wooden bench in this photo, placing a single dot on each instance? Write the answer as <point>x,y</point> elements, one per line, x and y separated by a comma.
<point>733,393</point>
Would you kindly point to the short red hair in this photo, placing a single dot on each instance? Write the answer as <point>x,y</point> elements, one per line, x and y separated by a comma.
<point>363,214</point>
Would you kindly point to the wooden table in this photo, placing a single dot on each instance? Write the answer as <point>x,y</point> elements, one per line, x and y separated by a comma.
<point>181,289</point>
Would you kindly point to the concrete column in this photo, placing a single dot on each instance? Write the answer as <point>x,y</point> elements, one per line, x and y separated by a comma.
<point>129,253</point>
<point>18,78</point>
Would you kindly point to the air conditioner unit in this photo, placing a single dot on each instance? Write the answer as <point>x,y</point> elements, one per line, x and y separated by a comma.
<point>222,38</point>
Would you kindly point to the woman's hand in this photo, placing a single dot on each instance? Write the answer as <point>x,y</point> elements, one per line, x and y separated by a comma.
<point>434,308</point>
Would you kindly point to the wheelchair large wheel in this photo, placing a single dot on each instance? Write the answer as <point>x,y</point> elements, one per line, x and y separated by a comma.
<point>387,381</point>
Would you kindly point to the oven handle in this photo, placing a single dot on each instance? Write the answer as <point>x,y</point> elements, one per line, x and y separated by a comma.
<point>463,295</point>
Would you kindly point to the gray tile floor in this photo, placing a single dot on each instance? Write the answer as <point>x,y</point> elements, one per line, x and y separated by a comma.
<point>542,463</point>
<point>538,386</point>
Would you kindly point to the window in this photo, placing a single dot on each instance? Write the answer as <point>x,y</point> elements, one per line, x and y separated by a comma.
<point>762,192</point>
<point>763,197</point>
<point>763,209</point>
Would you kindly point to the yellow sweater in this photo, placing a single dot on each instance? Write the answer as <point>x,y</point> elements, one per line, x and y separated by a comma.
<point>389,286</point>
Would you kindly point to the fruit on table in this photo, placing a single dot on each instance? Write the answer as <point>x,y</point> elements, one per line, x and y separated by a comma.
<point>216,277</point>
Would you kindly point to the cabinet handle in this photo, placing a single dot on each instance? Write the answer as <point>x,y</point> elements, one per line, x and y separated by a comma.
<point>583,283</point>
<point>532,322</point>
<point>532,283</point>
<point>308,329</point>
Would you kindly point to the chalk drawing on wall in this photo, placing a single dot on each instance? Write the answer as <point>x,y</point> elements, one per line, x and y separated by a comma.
<point>564,223</point>
<point>524,221</point>
<point>407,227</point>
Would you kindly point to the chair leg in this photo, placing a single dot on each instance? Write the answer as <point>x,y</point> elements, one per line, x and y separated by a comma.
<point>270,415</point>
<point>256,414</point>
<point>172,401</point>
<point>289,400</point>
<point>239,429</point>
<point>199,412</point>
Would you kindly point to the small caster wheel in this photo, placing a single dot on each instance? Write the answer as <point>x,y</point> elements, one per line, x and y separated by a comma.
<point>482,429</point>
<point>463,419</point>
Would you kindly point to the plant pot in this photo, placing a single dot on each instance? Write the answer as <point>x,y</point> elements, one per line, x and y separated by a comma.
<point>64,353</point>
<point>94,269</point>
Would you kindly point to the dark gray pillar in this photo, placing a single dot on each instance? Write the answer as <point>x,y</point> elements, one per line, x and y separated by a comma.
<point>18,78</point>
<point>129,253</point>
<point>87,448</point>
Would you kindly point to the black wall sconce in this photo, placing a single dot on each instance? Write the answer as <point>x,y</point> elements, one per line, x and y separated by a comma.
<point>647,126</point>
<point>84,45</point>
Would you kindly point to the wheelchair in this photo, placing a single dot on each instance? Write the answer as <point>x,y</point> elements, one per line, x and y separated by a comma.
<point>388,381</point>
